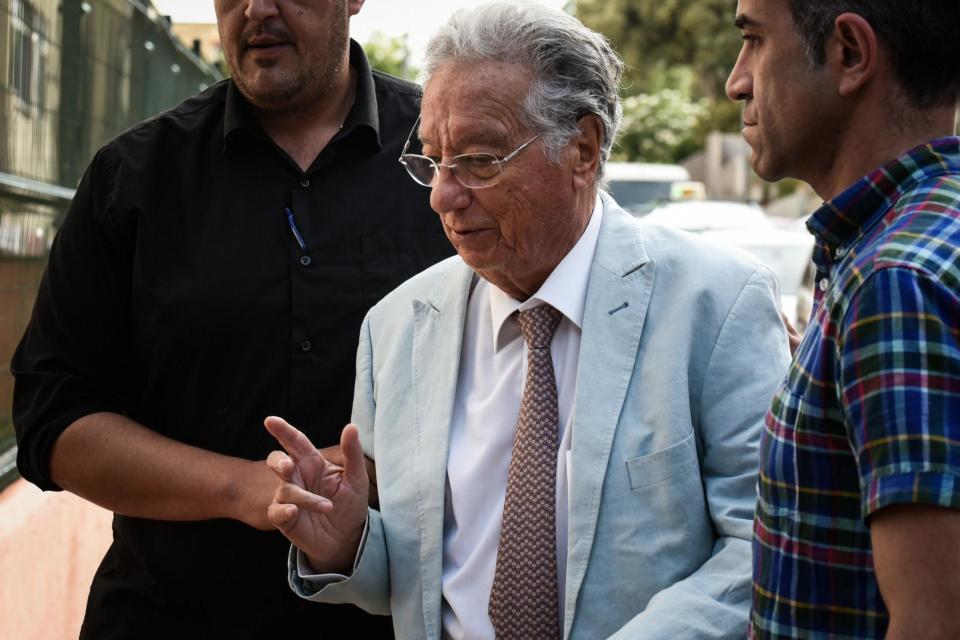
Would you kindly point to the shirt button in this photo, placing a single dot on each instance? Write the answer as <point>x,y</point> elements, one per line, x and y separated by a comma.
<point>305,183</point>
<point>305,261</point>
<point>824,284</point>
<point>305,345</point>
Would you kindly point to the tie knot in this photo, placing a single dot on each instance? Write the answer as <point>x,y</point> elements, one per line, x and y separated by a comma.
<point>538,324</point>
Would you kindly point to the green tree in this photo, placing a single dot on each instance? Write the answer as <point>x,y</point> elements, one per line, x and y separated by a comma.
<point>390,54</point>
<point>652,35</point>
<point>659,127</point>
<point>678,54</point>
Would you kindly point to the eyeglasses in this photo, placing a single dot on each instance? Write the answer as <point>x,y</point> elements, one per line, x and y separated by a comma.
<point>472,170</point>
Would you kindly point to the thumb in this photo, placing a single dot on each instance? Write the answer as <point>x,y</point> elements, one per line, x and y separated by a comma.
<point>354,467</point>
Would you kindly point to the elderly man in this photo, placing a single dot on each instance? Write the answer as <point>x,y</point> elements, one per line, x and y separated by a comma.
<point>858,518</point>
<point>565,417</point>
<point>214,268</point>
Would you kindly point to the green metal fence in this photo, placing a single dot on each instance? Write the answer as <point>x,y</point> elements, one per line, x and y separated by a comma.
<point>73,74</point>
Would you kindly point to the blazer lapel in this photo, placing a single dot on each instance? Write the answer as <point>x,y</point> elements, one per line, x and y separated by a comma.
<point>437,339</point>
<point>618,292</point>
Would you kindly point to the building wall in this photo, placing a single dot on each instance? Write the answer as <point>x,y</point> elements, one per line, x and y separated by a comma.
<point>19,278</point>
<point>29,76</point>
<point>207,34</point>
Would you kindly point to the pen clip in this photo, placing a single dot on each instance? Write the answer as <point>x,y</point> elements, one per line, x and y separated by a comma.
<point>296,232</point>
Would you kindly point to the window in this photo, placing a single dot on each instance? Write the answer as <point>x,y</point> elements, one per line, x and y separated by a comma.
<point>29,52</point>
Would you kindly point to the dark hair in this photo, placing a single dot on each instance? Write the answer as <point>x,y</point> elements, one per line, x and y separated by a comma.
<point>920,36</point>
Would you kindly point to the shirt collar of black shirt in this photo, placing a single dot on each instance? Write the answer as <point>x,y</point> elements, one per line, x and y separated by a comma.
<point>363,114</point>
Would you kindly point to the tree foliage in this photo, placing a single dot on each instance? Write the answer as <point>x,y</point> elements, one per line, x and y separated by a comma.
<point>659,127</point>
<point>390,54</point>
<point>652,34</point>
<point>678,54</point>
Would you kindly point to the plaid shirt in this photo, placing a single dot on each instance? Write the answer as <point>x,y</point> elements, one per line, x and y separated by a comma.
<point>869,413</point>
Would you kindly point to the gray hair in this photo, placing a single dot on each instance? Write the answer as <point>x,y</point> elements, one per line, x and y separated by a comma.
<point>576,71</point>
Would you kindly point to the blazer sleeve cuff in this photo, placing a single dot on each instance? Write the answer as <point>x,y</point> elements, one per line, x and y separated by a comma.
<point>366,587</point>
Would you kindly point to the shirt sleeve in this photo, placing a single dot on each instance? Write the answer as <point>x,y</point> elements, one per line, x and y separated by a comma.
<point>900,385</point>
<point>307,574</point>
<point>72,359</point>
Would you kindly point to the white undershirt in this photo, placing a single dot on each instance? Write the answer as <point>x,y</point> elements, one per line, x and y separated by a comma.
<point>489,388</point>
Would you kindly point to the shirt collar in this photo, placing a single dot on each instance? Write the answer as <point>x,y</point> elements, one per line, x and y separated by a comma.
<point>565,289</point>
<point>838,223</point>
<point>363,114</point>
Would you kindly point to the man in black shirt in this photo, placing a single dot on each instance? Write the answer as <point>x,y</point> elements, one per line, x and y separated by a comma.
<point>214,269</point>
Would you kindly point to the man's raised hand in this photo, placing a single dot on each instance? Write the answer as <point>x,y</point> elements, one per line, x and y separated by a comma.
<point>319,506</point>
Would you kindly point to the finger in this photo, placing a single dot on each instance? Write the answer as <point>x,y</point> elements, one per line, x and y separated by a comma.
<point>281,464</point>
<point>354,465</point>
<point>333,455</point>
<point>282,516</point>
<point>292,494</point>
<point>290,438</point>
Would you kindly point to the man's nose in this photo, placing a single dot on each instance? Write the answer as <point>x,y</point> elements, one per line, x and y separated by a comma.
<point>739,84</point>
<point>447,194</point>
<point>260,9</point>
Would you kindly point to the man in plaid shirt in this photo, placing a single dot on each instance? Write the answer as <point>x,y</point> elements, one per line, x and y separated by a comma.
<point>857,531</point>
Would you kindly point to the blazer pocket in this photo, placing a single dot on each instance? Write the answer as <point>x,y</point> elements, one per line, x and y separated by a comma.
<point>663,465</point>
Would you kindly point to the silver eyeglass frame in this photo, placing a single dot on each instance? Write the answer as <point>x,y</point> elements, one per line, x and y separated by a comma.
<point>452,165</point>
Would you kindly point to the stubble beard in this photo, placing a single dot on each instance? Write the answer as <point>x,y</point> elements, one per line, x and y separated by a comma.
<point>300,87</point>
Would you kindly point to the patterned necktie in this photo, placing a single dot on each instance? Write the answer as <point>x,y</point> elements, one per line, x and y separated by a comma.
<point>523,600</point>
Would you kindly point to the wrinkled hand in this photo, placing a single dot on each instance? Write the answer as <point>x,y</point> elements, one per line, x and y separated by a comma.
<point>334,455</point>
<point>321,507</point>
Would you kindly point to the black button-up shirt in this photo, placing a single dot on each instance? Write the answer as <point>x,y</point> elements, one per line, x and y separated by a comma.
<point>199,283</point>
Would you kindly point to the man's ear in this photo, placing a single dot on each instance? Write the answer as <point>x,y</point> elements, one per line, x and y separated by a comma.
<point>354,6</point>
<point>586,151</point>
<point>853,51</point>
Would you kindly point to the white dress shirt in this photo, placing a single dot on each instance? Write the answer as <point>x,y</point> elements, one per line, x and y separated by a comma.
<point>489,388</point>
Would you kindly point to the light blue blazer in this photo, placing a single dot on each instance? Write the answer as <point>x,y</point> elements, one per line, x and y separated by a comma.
<point>681,350</point>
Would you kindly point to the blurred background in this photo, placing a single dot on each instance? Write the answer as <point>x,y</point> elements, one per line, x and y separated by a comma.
<point>74,74</point>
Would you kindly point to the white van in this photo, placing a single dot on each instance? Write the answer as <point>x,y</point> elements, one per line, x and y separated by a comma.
<point>638,187</point>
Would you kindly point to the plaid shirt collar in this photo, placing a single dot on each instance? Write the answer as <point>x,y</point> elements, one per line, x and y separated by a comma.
<point>840,222</point>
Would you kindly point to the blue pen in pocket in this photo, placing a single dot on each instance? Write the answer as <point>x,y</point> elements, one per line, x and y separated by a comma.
<point>295,231</point>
